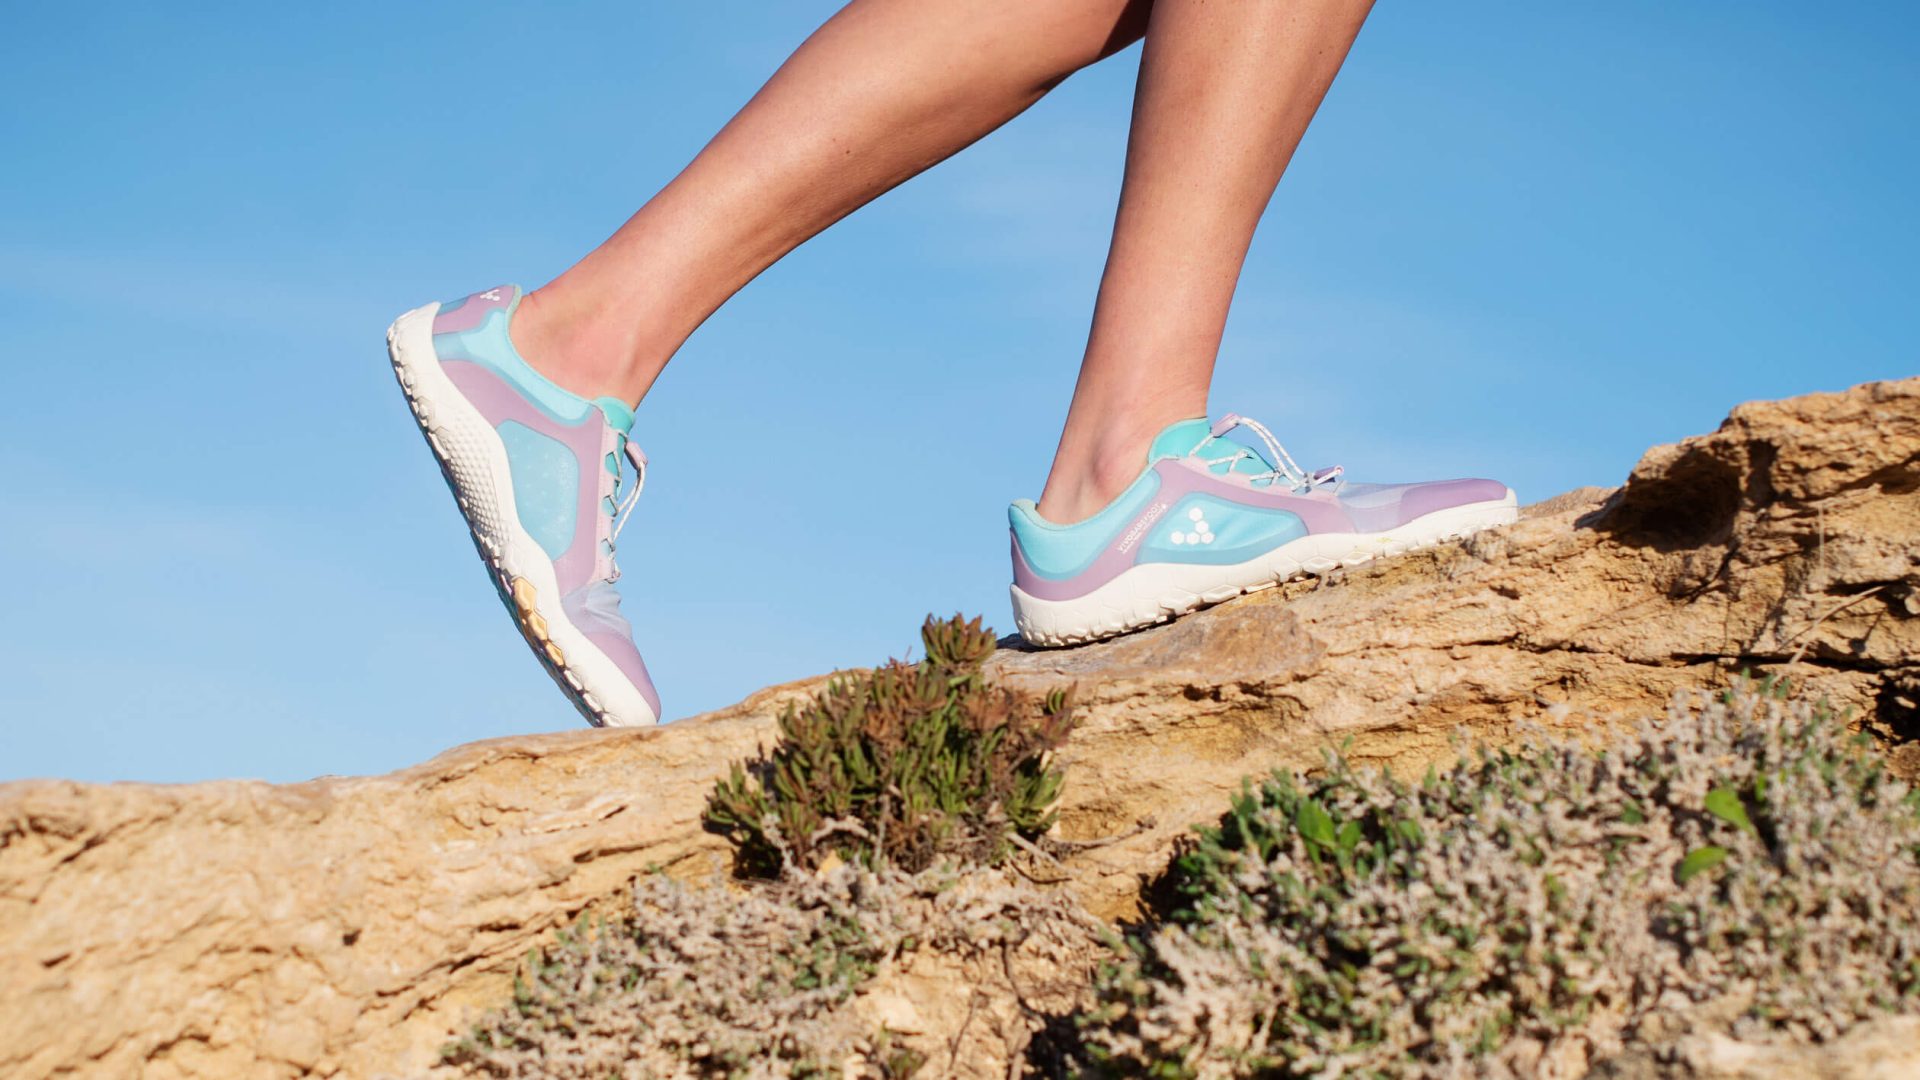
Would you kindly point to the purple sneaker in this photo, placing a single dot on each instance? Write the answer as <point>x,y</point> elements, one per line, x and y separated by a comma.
<point>537,471</point>
<point>1210,519</point>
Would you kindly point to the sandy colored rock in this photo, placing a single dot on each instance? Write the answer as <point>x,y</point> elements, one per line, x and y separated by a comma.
<point>1883,1050</point>
<point>346,926</point>
<point>1887,1049</point>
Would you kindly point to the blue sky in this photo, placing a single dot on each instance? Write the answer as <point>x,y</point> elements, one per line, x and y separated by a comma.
<point>1524,241</point>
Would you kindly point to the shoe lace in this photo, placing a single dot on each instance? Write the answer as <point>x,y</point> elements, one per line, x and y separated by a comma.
<point>1280,467</point>
<point>625,509</point>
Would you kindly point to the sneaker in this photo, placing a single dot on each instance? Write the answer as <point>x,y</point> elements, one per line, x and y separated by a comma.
<point>1211,518</point>
<point>537,472</point>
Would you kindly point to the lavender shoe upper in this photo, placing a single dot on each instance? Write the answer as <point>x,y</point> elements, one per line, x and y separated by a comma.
<point>1203,499</point>
<point>565,454</point>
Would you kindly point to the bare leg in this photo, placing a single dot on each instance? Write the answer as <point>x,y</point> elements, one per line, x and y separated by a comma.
<point>1226,91</point>
<point>883,91</point>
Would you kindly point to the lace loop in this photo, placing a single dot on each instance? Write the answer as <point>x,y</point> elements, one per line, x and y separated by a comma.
<point>1281,465</point>
<point>625,508</point>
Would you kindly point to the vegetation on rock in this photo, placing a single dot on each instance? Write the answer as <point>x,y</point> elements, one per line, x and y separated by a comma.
<point>1741,865</point>
<point>695,983</point>
<point>765,982</point>
<point>1533,909</point>
<point>751,983</point>
<point>916,776</point>
<point>902,766</point>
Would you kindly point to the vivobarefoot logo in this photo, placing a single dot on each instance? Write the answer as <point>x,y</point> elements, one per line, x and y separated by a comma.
<point>1200,533</point>
<point>1140,527</point>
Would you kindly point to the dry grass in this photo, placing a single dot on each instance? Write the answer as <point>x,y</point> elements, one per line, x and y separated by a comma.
<point>760,982</point>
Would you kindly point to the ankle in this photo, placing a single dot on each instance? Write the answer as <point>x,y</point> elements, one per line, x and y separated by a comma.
<point>1081,487</point>
<point>578,352</point>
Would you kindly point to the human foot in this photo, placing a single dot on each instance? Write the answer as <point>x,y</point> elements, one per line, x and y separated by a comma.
<point>1209,519</point>
<point>536,470</point>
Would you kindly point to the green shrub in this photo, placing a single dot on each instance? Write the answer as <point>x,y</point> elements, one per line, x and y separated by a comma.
<point>1532,907</point>
<point>913,775</point>
<point>905,765</point>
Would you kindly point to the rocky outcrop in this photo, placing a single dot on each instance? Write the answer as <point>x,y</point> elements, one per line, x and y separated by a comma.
<point>1887,1049</point>
<point>346,926</point>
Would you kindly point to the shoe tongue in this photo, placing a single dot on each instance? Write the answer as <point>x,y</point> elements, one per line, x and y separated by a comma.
<point>1196,437</point>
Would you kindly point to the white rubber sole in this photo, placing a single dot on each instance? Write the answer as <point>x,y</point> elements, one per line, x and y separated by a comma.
<point>474,461</point>
<point>1156,592</point>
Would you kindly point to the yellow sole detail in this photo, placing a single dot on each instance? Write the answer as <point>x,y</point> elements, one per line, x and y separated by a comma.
<point>533,625</point>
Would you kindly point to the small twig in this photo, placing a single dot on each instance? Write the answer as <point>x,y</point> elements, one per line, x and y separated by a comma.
<point>1025,873</point>
<point>953,1048</point>
<point>1815,625</point>
<point>1073,847</point>
<point>1031,848</point>
<point>838,825</point>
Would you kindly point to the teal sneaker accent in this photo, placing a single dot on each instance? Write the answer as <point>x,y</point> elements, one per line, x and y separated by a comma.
<point>1211,530</point>
<point>1179,439</point>
<point>1196,438</point>
<point>1222,518</point>
<point>1061,551</point>
<point>490,346</point>
<point>546,484</point>
<point>537,472</point>
<point>619,414</point>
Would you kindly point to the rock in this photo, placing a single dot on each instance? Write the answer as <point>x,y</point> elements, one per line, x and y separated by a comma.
<point>347,926</point>
<point>1881,1050</point>
<point>1885,1049</point>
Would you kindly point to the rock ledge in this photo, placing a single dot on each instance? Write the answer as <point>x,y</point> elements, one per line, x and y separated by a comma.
<point>346,926</point>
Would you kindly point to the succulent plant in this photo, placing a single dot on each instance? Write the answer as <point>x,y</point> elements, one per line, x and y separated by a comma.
<point>906,765</point>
